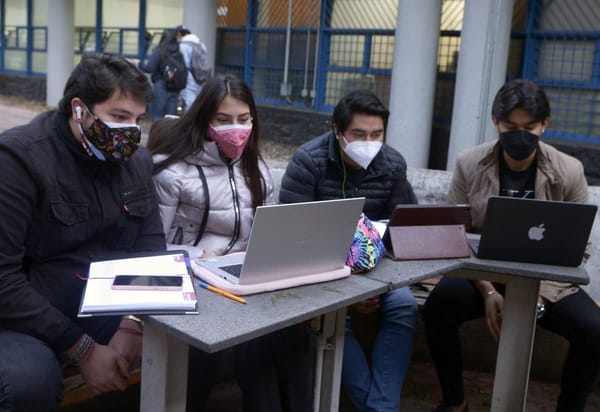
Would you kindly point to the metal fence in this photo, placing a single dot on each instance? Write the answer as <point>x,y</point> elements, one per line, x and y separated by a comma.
<point>308,53</point>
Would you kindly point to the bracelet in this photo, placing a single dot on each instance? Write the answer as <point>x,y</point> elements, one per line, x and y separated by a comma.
<point>490,292</point>
<point>136,320</point>
<point>81,352</point>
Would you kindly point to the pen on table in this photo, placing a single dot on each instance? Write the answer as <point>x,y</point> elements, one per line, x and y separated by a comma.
<point>221,292</point>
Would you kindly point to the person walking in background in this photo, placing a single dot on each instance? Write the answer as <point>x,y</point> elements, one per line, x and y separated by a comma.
<point>352,160</point>
<point>517,164</point>
<point>165,98</point>
<point>196,61</point>
<point>210,179</point>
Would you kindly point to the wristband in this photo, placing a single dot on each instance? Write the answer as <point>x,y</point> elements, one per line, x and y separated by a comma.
<point>540,309</point>
<point>80,353</point>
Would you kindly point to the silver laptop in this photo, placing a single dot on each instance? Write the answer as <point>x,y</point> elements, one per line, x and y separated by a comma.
<point>292,240</point>
<point>535,231</point>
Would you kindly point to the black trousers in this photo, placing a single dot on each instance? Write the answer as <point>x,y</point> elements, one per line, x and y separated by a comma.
<point>575,317</point>
<point>275,371</point>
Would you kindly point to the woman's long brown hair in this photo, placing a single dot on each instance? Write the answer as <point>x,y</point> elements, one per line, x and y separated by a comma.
<point>181,137</point>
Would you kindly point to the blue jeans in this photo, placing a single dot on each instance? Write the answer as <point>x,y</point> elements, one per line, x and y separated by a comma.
<point>30,375</point>
<point>165,102</point>
<point>378,388</point>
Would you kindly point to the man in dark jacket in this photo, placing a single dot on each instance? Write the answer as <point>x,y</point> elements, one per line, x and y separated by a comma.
<point>74,189</point>
<point>352,160</point>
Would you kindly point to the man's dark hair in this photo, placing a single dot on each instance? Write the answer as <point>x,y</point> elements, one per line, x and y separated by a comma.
<point>358,101</point>
<point>97,77</point>
<point>521,94</point>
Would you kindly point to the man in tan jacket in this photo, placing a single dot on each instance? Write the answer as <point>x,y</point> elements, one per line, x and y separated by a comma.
<point>518,164</point>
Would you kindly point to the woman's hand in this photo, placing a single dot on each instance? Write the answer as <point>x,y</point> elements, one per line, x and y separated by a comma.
<point>494,302</point>
<point>104,370</point>
<point>127,340</point>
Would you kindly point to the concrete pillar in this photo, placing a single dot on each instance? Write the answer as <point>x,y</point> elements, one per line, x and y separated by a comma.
<point>61,43</point>
<point>413,79</point>
<point>481,71</point>
<point>200,16</point>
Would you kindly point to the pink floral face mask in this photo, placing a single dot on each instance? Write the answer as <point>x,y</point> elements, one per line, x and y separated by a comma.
<point>230,138</point>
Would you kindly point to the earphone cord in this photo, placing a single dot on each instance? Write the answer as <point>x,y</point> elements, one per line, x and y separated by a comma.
<point>344,171</point>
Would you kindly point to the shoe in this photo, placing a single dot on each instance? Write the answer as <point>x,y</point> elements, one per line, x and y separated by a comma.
<point>444,408</point>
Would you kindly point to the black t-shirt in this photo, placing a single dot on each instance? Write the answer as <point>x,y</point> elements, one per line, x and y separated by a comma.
<point>517,184</point>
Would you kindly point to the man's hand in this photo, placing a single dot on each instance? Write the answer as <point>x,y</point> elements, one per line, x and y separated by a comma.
<point>365,307</point>
<point>127,340</point>
<point>494,302</point>
<point>104,370</point>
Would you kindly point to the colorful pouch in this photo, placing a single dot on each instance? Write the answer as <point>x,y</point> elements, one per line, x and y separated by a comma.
<point>367,247</point>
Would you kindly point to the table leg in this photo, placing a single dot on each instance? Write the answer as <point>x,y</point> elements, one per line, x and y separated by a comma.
<point>330,352</point>
<point>164,371</point>
<point>515,346</point>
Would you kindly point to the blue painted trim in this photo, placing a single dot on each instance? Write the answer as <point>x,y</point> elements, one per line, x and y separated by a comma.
<point>99,36</point>
<point>251,19</point>
<point>29,47</point>
<point>571,137</point>
<point>596,67</point>
<point>532,43</point>
<point>367,54</point>
<point>142,31</point>
<point>323,58</point>
<point>3,28</point>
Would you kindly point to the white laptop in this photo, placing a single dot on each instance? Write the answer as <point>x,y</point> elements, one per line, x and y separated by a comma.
<point>290,245</point>
<point>535,231</point>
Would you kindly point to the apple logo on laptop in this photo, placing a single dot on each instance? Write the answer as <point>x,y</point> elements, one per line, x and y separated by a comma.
<point>536,232</point>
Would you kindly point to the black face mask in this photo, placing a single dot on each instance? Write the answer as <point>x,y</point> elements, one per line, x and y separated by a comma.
<point>518,144</point>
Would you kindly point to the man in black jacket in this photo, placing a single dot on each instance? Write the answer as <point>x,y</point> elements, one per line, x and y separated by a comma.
<point>352,160</point>
<point>74,189</point>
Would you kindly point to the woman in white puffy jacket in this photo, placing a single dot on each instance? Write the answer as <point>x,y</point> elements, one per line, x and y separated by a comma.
<point>209,174</point>
<point>210,178</point>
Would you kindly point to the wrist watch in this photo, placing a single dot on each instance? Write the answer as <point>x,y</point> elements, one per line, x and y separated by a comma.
<point>539,310</point>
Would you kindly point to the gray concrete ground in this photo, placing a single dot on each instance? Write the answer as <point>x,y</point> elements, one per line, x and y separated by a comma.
<point>420,392</point>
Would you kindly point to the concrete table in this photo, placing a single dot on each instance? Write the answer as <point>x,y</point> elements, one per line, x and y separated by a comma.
<point>518,326</point>
<point>223,323</point>
<point>515,345</point>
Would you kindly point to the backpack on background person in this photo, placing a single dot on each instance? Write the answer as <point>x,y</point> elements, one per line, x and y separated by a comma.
<point>199,64</point>
<point>173,70</point>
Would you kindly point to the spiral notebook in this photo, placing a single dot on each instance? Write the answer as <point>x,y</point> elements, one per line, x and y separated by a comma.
<point>101,298</point>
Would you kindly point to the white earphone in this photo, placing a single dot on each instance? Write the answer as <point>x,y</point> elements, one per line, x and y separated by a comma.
<point>78,112</point>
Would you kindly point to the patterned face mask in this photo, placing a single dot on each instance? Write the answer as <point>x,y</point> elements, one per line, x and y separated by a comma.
<point>111,142</point>
<point>231,138</point>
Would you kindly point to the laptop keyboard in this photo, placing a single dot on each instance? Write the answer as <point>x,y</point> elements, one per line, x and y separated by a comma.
<point>234,270</point>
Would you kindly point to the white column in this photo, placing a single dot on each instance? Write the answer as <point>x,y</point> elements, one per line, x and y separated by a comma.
<point>413,79</point>
<point>200,16</point>
<point>481,71</point>
<point>60,54</point>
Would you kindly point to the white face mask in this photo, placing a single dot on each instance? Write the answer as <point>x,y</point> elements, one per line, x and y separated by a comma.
<point>362,151</point>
